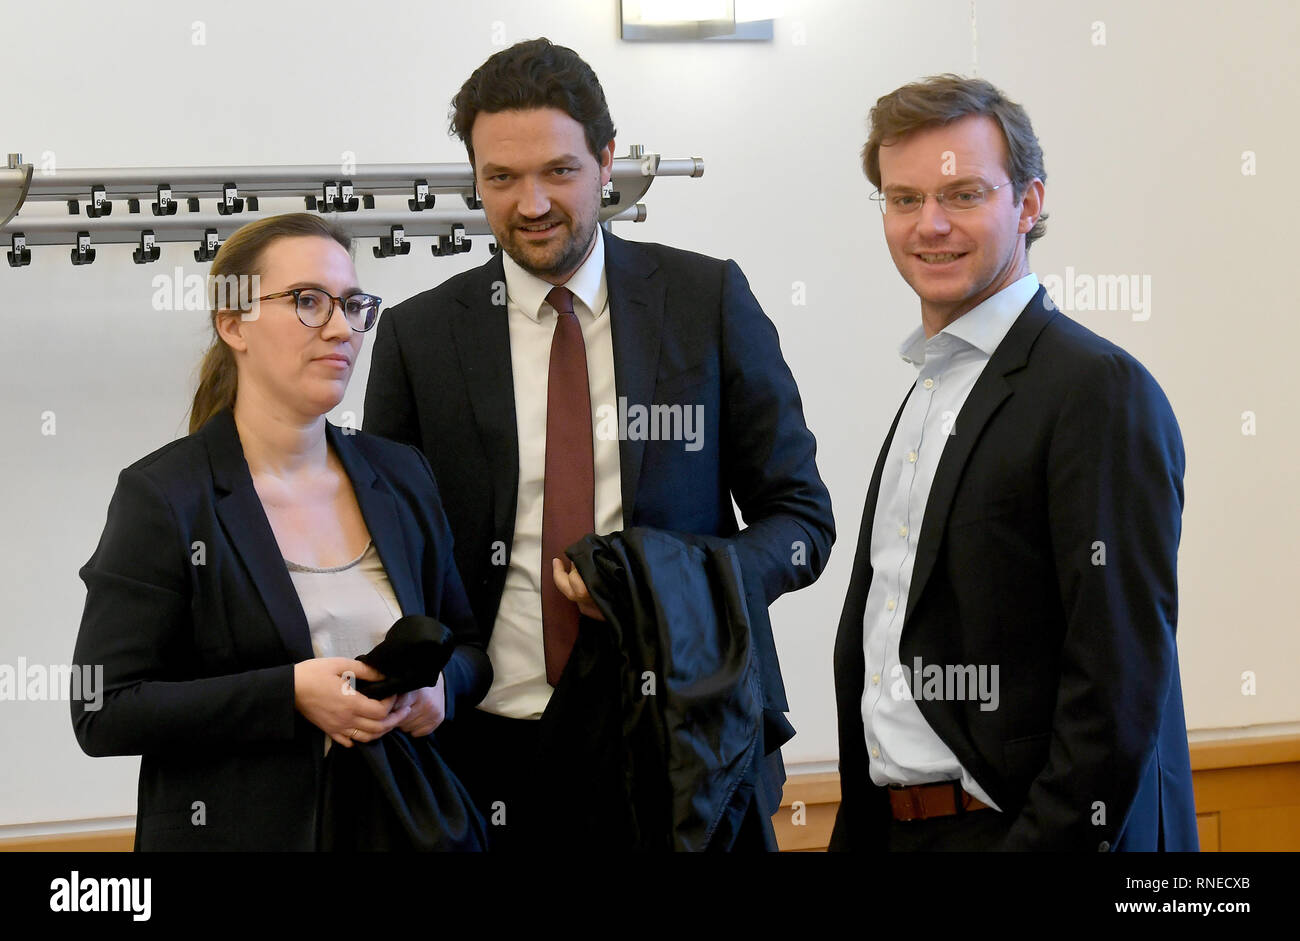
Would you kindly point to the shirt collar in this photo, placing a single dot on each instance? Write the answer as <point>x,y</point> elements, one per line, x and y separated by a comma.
<point>528,292</point>
<point>983,326</point>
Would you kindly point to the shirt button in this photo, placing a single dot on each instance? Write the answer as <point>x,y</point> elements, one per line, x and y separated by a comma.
<point>875,679</point>
<point>911,457</point>
<point>902,530</point>
<point>929,383</point>
<point>890,605</point>
<point>1103,847</point>
<point>875,753</point>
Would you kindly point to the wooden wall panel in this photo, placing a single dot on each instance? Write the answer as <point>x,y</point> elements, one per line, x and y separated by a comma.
<point>90,841</point>
<point>1207,830</point>
<point>1247,798</point>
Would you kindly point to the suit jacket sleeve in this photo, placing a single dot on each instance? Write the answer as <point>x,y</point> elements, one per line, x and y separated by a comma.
<point>1115,496</point>
<point>390,403</point>
<point>137,625</point>
<point>468,674</point>
<point>769,453</point>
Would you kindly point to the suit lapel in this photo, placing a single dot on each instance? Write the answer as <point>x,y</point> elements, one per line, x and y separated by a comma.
<point>636,308</point>
<point>873,491</point>
<point>860,581</point>
<point>987,395</point>
<point>379,509</point>
<point>247,529</point>
<point>482,335</point>
<point>849,654</point>
<point>481,330</point>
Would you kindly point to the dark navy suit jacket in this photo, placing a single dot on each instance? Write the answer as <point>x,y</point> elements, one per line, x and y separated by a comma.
<point>1066,448</point>
<point>192,613</point>
<point>687,331</point>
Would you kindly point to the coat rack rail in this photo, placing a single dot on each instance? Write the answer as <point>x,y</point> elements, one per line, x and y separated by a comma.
<point>153,197</point>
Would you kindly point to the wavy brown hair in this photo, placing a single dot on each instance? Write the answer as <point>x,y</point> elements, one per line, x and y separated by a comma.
<point>942,99</point>
<point>239,256</point>
<point>534,74</point>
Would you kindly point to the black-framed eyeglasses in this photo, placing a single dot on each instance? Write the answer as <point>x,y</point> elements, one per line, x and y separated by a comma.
<point>315,307</point>
<point>957,198</point>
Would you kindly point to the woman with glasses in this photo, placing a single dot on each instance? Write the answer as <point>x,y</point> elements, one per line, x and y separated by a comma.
<point>244,567</point>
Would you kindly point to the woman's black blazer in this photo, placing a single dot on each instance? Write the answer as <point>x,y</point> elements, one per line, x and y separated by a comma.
<point>192,614</point>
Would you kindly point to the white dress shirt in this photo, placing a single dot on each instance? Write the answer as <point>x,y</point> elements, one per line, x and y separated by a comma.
<point>902,746</point>
<point>519,688</point>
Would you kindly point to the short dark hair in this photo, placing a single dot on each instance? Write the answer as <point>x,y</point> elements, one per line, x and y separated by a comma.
<point>534,74</point>
<point>942,99</point>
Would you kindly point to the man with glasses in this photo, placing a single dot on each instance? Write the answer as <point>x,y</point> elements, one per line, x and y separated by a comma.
<point>1006,670</point>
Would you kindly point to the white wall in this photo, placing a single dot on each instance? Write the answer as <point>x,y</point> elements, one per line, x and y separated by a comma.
<point>1143,139</point>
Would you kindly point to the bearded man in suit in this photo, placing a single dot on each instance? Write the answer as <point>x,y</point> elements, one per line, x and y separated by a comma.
<point>513,378</point>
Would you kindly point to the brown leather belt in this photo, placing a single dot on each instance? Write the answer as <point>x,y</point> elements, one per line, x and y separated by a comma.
<point>924,801</point>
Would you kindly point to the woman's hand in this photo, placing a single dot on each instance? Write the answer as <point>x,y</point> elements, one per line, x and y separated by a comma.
<point>323,691</point>
<point>426,707</point>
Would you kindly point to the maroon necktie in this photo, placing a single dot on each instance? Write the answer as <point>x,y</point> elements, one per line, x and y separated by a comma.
<point>569,490</point>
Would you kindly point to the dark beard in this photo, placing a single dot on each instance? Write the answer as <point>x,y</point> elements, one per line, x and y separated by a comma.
<point>573,253</point>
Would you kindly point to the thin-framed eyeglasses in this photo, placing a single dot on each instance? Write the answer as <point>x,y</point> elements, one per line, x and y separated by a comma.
<point>957,198</point>
<point>315,307</point>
